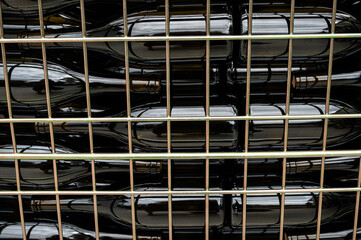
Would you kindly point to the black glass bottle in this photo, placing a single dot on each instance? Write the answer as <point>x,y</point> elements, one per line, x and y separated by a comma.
<point>27,84</point>
<point>339,171</point>
<point>300,208</point>
<point>151,210</point>
<point>42,230</point>
<point>223,22</point>
<point>152,136</point>
<point>110,174</point>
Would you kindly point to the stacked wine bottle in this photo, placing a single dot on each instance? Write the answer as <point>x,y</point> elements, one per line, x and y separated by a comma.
<point>137,74</point>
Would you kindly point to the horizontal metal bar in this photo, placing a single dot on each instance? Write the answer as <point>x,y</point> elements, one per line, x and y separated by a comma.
<point>196,155</point>
<point>179,119</point>
<point>180,38</point>
<point>188,192</point>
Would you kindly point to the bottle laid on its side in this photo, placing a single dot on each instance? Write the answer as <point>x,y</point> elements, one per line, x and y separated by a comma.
<point>308,50</point>
<point>76,174</point>
<point>114,211</point>
<point>224,134</point>
<point>27,84</point>
<point>151,210</point>
<point>300,208</point>
<point>223,22</point>
<point>302,134</point>
<point>29,9</point>
<point>38,174</point>
<point>147,136</point>
<point>339,171</point>
<point>42,230</point>
<point>67,86</point>
<point>271,79</point>
<point>308,90</point>
<point>329,231</point>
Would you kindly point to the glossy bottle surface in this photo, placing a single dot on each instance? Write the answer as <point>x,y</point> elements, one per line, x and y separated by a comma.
<point>153,135</point>
<point>151,210</point>
<point>185,23</point>
<point>189,210</point>
<point>307,20</point>
<point>74,174</point>
<point>339,171</point>
<point>302,134</point>
<point>188,135</point>
<point>27,84</point>
<point>188,22</point>
<point>43,230</point>
<point>300,208</point>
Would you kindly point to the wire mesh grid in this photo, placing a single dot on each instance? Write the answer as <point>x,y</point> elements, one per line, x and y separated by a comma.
<point>171,156</point>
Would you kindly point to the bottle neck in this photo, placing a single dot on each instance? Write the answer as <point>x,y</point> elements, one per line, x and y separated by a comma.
<point>318,80</point>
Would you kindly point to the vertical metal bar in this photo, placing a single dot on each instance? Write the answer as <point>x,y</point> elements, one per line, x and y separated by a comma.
<point>48,102</point>
<point>208,67</point>
<point>12,130</point>
<point>287,111</point>
<point>357,205</point>
<point>246,132</point>
<point>325,127</point>
<point>127,80</point>
<point>169,110</point>
<point>91,142</point>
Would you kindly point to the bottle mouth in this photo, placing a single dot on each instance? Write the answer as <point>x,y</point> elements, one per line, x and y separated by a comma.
<point>152,167</point>
<point>147,86</point>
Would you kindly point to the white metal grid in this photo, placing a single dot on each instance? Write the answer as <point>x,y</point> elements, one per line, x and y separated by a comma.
<point>169,119</point>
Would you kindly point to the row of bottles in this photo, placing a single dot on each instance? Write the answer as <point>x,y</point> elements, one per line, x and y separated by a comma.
<point>188,210</point>
<point>187,19</point>
<point>114,174</point>
<point>147,74</point>
<point>224,135</point>
<point>49,230</point>
<point>268,88</point>
<point>27,86</point>
<point>151,211</point>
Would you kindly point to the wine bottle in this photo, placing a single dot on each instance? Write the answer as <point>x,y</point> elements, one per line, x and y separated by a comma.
<point>268,84</point>
<point>67,85</point>
<point>223,22</point>
<point>329,231</point>
<point>30,8</point>
<point>152,136</point>
<point>27,83</point>
<point>339,171</point>
<point>306,134</point>
<point>151,211</point>
<point>26,8</point>
<point>310,49</point>
<point>109,174</point>
<point>76,174</point>
<point>271,79</point>
<point>65,15</point>
<point>300,208</point>
<point>308,82</point>
<point>42,230</point>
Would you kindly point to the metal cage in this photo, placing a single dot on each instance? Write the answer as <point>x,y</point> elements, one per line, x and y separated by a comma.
<point>207,155</point>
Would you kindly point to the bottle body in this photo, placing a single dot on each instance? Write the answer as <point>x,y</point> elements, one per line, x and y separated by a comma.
<point>317,20</point>
<point>222,22</point>
<point>224,134</point>
<point>151,211</point>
